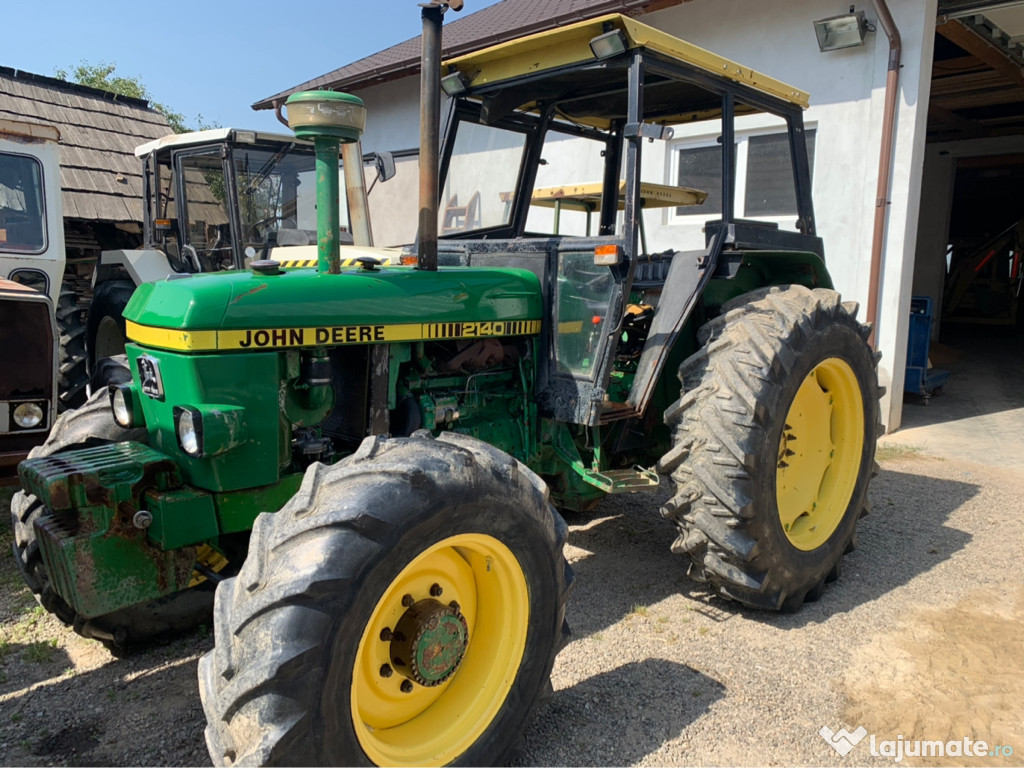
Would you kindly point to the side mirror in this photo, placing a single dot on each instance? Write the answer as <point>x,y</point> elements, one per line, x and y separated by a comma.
<point>384,162</point>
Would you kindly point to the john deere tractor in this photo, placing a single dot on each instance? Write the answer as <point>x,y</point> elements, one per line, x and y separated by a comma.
<point>367,461</point>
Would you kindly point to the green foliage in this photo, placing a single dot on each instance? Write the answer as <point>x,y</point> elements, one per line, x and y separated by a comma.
<point>104,77</point>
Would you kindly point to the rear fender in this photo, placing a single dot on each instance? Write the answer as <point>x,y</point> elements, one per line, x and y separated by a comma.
<point>142,266</point>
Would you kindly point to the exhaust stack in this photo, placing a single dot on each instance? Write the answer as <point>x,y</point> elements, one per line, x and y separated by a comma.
<point>430,129</point>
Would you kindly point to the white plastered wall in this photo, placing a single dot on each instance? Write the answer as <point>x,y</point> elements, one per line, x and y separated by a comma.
<point>847,102</point>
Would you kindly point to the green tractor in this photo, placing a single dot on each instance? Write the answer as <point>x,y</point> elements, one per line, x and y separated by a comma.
<point>366,462</point>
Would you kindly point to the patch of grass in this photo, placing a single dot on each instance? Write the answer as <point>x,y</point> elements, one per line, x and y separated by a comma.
<point>597,637</point>
<point>39,653</point>
<point>703,631</point>
<point>640,610</point>
<point>663,619</point>
<point>893,451</point>
<point>5,649</point>
<point>16,717</point>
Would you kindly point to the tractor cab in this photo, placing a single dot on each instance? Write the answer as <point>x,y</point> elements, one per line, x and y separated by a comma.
<point>542,167</point>
<point>220,198</point>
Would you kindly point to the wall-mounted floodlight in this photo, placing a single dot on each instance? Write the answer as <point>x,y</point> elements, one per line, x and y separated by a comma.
<point>846,31</point>
<point>453,84</point>
<point>609,44</point>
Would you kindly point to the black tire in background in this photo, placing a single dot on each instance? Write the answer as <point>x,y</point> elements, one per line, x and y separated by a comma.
<point>105,329</point>
<point>88,426</point>
<point>766,509</point>
<point>294,674</point>
<point>109,370</point>
<point>72,376</point>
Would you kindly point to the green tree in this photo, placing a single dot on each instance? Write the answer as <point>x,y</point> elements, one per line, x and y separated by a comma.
<point>104,77</point>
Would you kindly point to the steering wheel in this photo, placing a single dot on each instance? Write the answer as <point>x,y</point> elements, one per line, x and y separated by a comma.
<point>256,228</point>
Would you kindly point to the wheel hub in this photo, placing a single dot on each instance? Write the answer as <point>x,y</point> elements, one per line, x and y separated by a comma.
<point>429,642</point>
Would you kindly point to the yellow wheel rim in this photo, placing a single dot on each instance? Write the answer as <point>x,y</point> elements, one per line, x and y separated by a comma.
<point>402,722</point>
<point>820,454</point>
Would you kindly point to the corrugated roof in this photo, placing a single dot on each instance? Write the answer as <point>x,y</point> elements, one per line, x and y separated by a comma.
<point>498,23</point>
<point>101,179</point>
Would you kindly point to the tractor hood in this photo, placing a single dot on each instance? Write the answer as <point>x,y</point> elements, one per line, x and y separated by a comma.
<point>298,307</point>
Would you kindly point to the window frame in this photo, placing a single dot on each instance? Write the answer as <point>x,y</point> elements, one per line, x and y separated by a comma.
<point>44,214</point>
<point>746,129</point>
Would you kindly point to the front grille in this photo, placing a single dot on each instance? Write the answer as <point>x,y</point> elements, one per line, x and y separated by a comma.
<point>26,350</point>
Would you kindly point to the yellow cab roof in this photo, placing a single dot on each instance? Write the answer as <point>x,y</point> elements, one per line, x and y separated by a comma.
<point>499,65</point>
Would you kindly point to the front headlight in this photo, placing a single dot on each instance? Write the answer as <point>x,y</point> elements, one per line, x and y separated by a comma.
<point>209,430</point>
<point>28,415</point>
<point>189,425</point>
<point>125,405</point>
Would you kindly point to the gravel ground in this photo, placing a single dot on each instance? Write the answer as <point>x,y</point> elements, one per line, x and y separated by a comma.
<point>922,637</point>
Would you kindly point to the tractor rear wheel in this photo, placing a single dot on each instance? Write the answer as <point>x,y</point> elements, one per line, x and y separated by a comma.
<point>774,444</point>
<point>404,608</point>
<point>106,325</point>
<point>91,425</point>
<point>72,376</point>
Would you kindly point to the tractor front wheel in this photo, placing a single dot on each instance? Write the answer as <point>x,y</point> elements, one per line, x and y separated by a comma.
<point>774,444</point>
<point>404,608</point>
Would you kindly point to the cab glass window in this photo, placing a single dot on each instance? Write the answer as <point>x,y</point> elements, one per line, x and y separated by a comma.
<point>22,214</point>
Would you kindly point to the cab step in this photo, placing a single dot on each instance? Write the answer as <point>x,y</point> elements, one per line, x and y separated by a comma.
<point>635,480</point>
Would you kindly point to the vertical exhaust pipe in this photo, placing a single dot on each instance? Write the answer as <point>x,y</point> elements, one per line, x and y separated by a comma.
<point>430,129</point>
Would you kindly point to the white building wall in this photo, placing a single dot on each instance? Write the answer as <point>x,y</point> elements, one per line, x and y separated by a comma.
<point>847,101</point>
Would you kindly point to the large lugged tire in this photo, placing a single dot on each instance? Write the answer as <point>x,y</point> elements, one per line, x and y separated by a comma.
<point>443,551</point>
<point>106,324</point>
<point>92,425</point>
<point>774,444</point>
<point>72,376</point>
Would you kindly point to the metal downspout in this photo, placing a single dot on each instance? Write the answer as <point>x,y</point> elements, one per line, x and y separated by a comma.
<point>884,161</point>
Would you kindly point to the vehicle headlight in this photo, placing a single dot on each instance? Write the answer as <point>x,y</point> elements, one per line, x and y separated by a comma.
<point>125,405</point>
<point>28,415</point>
<point>209,430</point>
<point>189,426</point>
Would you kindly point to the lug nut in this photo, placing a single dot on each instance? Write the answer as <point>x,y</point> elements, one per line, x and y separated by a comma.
<point>142,519</point>
<point>386,671</point>
<point>407,686</point>
<point>435,590</point>
<point>385,634</point>
<point>455,605</point>
<point>407,601</point>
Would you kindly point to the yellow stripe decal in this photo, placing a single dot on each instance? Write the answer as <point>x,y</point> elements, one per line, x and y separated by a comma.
<point>323,335</point>
<point>169,338</point>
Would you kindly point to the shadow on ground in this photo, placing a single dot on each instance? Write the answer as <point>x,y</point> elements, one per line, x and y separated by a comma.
<point>631,724</point>
<point>629,563</point>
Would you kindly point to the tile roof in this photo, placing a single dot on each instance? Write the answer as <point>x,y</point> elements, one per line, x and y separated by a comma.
<point>101,179</point>
<point>496,23</point>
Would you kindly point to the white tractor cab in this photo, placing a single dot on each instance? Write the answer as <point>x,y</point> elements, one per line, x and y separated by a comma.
<point>217,200</point>
<point>31,266</point>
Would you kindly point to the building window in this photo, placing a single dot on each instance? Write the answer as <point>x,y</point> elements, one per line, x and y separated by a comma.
<point>701,168</point>
<point>764,176</point>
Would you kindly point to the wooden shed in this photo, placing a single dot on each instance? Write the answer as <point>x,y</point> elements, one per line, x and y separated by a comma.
<point>101,179</point>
